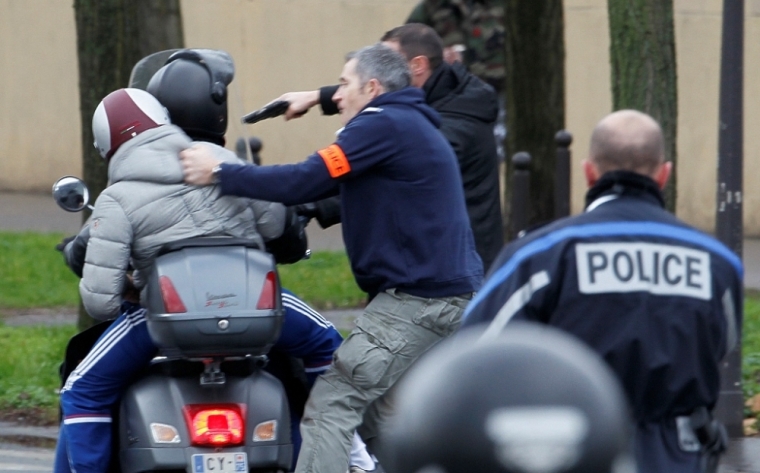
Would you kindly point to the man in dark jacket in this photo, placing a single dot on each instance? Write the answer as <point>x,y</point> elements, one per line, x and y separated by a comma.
<point>406,233</point>
<point>468,110</point>
<point>659,301</point>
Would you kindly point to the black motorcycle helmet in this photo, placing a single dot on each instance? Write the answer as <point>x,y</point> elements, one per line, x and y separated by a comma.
<point>533,400</point>
<point>192,85</point>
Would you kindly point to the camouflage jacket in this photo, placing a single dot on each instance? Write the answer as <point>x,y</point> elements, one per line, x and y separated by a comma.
<point>478,25</point>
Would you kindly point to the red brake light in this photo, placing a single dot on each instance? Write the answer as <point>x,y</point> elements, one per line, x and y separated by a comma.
<point>218,425</point>
<point>169,294</point>
<point>268,292</point>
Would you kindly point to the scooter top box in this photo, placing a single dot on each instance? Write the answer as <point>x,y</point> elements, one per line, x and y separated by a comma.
<point>213,297</point>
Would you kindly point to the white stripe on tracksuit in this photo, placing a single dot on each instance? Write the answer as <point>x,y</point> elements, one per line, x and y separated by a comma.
<point>297,304</point>
<point>104,345</point>
<point>85,419</point>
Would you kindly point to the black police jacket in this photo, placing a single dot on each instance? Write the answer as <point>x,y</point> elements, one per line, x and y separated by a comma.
<point>660,301</point>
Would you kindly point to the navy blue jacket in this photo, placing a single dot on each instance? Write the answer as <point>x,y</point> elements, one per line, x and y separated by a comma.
<point>404,220</point>
<point>660,301</point>
<point>468,108</point>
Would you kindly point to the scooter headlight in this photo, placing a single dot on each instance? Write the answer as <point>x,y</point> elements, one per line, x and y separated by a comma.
<point>265,431</point>
<point>164,433</point>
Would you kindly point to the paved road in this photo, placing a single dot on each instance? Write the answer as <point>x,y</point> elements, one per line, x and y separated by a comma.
<point>742,457</point>
<point>15,458</point>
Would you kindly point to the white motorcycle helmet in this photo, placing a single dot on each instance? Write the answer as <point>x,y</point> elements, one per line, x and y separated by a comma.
<point>122,115</point>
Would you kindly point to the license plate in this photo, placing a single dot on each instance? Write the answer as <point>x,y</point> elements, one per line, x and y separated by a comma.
<point>220,462</point>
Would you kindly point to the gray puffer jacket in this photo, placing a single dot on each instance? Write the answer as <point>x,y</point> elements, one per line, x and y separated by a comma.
<point>147,204</point>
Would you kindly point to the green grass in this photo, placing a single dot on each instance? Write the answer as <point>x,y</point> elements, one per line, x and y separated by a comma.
<point>33,274</point>
<point>29,367</point>
<point>324,281</point>
<point>751,345</point>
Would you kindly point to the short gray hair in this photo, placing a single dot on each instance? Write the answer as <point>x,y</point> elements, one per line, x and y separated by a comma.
<point>382,63</point>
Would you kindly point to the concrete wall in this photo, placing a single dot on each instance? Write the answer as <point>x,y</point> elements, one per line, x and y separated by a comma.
<point>39,95</point>
<point>278,46</point>
<point>698,35</point>
<point>284,45</point>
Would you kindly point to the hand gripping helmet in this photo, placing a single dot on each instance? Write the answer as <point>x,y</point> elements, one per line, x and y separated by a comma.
<point>122,115</point>
<point>192,85</point>
<point>532,400</point>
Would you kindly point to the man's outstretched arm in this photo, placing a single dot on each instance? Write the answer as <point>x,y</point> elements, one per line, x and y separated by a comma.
<point>301,102</point>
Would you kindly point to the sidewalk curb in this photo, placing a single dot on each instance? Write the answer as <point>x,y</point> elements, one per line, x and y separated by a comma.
<point>342,319</point>
<point>742,455</point>
<point>12,429</point>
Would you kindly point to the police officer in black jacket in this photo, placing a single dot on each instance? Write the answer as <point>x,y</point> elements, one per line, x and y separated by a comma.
<point>660,301</point>
<point>468,108</point>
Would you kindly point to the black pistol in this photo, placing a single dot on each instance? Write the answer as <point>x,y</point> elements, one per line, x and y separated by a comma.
<point>270,110</point>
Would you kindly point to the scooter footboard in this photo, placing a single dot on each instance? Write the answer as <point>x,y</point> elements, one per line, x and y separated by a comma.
<point>159,424</point>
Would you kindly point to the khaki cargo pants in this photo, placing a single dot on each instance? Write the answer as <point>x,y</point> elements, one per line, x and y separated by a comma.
<point>394,330</point>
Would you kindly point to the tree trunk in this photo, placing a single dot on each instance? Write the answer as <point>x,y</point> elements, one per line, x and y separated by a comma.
<point>535,97</point>
<point>643,60</point>
<point>112,35</point>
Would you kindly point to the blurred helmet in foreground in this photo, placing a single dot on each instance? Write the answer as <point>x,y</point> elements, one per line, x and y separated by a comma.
<point>533,400</point>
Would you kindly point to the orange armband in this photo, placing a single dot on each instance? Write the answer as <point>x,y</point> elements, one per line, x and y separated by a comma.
<point>335,160</point>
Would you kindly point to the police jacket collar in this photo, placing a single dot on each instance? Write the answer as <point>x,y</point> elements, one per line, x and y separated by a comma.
<point>625,183</point>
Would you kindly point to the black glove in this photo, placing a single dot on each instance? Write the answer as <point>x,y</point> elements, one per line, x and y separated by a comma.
<point>60,246</point>
<point>309,211</point>
<point>326,211</point>
<point>75,249</point>
<point>292,246</point>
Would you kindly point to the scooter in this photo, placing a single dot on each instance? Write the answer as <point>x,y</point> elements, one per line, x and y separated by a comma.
<point>205,404</point>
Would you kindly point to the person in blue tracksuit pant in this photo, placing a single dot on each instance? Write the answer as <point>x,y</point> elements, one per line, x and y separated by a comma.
<point>660,301</point>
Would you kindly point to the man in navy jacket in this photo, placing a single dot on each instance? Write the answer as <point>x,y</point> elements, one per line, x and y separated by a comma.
<point>468,108</point>
<point>406,233</point>
<point>659,301</point>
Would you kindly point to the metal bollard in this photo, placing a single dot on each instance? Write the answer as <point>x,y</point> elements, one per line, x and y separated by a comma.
<point>563,138</point>
<point>255,144</point>
<point>520,192</point>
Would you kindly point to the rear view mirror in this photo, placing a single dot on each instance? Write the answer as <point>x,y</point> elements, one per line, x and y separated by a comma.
<point>71,193</point>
